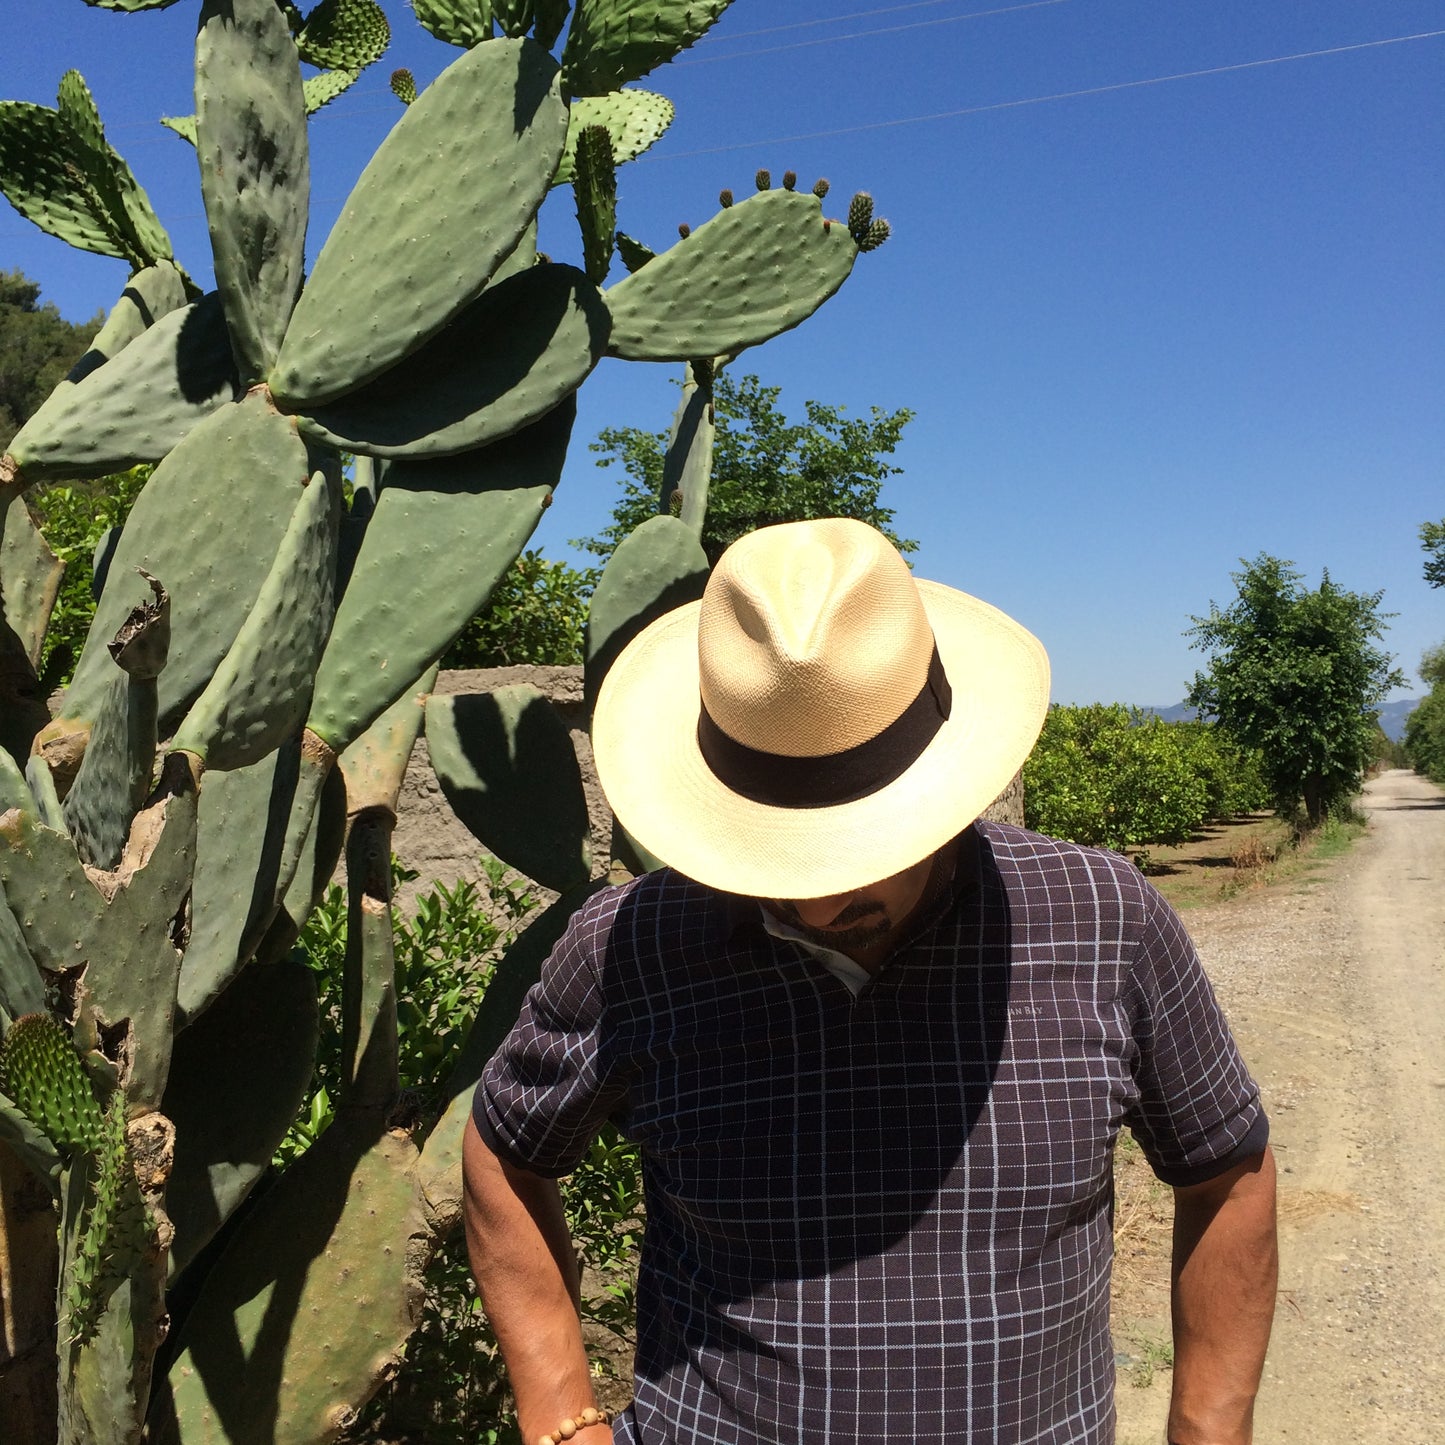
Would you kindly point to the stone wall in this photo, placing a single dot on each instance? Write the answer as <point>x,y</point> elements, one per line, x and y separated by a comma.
<point>431,840</point>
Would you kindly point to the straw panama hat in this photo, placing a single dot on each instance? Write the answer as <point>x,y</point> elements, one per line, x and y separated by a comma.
<point>820,720</point>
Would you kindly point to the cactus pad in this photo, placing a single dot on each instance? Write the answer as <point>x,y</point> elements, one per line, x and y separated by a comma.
<point>42,1073</point>
<point>522,346</point>
<point>458,22</point>
<point>443,200</point>
<point>30,576</point>
<point>506,765</point>
<point>232,1102</point>
<point>21,988</point>
<point>594,179</point>
<point>57,170</point>
<point>443,535</point>
<point>635,120</point>
<point>614,41</point>
<point>656,567</point>
<point>344,35</point>
<point>403,85</point>
<point>330,1239</point>
<point>259,694</point>
<point>253,458</point>
<point>255,170</point>
<point>148,295</point>
<point>756,269</point>
<point>134,409</point>
<point>115,774</point>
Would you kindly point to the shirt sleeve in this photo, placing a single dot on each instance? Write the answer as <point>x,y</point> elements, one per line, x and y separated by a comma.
<point>1198,1111</point>
<point>551,1085</point>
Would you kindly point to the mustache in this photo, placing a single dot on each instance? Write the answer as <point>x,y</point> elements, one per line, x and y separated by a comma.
<point>851,913</point>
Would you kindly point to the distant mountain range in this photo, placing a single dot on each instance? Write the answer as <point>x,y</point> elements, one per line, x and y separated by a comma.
<point>1392,715</point>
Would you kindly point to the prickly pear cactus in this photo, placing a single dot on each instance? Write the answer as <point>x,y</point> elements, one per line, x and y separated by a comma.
<point>265,641</point>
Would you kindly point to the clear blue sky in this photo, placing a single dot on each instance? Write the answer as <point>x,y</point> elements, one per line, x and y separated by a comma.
<point>1161,295</point>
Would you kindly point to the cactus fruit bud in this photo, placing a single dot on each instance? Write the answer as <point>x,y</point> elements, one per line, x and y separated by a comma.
<point>725,197</point>
<point>821,187</point>
<point>860,215</point>
<point>763,180</point>
<point>878,232</point>
<point>684,230</point>
<point>403,86</point>
<point>790,180</point>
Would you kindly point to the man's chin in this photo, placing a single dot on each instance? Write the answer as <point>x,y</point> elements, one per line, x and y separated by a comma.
<point>853,935</point>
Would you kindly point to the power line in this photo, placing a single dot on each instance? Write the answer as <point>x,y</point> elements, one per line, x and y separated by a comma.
<point>712,39</point>
<point>1044,99</point>
<point>994,106</point>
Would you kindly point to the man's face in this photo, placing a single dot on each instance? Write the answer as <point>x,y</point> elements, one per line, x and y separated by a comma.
<point>864,921</point>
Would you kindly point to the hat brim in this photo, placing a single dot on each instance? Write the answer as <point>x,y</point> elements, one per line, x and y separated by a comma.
<point>644,741</point>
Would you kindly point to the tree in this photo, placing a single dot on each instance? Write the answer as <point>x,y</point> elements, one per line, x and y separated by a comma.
<point>1432,539</point>
<point>1425,727</point>
<point>765,468</point>
<point>37,347</point>
<point>1296,674</point>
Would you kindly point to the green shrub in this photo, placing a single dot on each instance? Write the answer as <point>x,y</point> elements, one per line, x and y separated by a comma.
<point>452,1390</point>
<point>1108,776</point>
<point>536,615</point>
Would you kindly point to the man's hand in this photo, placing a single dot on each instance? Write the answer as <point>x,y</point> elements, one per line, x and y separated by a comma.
<point>522,1258</point>
<point>1226,1266</point>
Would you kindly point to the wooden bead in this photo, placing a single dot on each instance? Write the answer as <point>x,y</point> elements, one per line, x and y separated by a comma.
<point>589,1416</point>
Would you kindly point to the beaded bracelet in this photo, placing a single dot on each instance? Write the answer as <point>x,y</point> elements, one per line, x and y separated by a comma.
<point>569,1427</point>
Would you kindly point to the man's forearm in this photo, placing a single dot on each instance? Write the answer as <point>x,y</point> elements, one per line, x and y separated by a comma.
<point>522,1258</point>
<point>1226,1267</point>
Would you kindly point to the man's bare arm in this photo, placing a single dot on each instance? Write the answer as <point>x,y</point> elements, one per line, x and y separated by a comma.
<point>1226,1266</point>
<point>522,1258</point>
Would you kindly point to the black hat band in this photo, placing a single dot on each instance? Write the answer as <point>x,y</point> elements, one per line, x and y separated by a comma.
<point>783,781</point>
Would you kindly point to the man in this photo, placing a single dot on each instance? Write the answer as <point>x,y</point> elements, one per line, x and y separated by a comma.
<point>875,1054</point>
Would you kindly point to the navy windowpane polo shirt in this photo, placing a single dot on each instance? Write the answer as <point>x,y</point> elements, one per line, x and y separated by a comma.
<point>884,1217</point>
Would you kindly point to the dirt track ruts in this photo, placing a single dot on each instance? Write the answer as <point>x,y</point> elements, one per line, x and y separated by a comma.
<point>1336,991</point>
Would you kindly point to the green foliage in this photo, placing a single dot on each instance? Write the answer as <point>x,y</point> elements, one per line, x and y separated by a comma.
<point>37,347</point>
<point>765,468</point>
<point>1296,674</point>
<point>73,520</point>
<point>453,1390</point>
<point>1432,539</point>
<point>1114,777</point>
<point>537,614</point>
<point>444,951</point>
<point>1425,727</point>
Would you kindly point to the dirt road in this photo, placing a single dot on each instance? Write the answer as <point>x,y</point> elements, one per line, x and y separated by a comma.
<point>1336,990</point>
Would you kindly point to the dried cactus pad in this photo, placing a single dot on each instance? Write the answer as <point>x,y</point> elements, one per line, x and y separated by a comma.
<point>442,202</point>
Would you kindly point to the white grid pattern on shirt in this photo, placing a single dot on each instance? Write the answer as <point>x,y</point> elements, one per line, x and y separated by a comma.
<point>882,1217</point>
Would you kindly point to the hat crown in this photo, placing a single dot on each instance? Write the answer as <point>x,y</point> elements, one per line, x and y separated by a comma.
<point>812,638</point>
